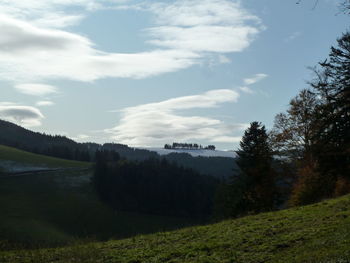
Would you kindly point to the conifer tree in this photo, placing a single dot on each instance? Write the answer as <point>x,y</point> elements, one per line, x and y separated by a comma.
<point>255,163</point>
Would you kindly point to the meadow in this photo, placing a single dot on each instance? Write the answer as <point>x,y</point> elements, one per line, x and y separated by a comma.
<point>314,233</point>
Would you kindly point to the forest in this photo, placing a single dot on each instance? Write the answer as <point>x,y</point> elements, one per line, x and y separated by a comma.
<point>153,186</point>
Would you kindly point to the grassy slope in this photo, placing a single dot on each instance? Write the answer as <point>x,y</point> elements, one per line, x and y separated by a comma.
<point>19,156</point>
<point>316,233</point>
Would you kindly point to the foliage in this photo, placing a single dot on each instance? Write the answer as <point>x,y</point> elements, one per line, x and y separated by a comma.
<point>308,188</point>
<point>314,132</point>
<point>345,7</point>
<point>342,186</point>
<point>228,200</point>
<point>293,132</point>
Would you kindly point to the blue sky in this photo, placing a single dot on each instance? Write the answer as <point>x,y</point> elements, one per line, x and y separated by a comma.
<point>146,73</point>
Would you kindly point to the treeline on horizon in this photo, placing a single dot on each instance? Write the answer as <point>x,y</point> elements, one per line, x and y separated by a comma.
<point>189,146</point>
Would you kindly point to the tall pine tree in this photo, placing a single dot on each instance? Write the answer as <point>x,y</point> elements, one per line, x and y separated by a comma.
<point>255,163</point>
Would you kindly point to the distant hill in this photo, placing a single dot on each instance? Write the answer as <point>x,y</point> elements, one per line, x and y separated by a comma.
<point>216,163</point>
<point>14,160</point>
<point>314,233</point>
<point>220,167</point>
<point>195,153</point>
<point>213,163</point>
<point>58,146</point>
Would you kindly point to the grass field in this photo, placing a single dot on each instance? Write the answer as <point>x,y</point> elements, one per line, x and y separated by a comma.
<point>26,158</point>
<point>315,233</point>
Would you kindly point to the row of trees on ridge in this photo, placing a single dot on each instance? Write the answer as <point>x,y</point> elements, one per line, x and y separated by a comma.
<point>189,146</point>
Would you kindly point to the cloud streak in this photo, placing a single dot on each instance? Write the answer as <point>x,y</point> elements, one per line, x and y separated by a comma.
<point>36,89</point>
<point>154,124</point>
<point>246,90</point>
<point>44,103</point>
<point>23,115</point>
<point>254,79</point>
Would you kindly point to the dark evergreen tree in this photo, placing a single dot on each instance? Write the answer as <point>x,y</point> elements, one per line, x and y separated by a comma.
<point>255,163</point>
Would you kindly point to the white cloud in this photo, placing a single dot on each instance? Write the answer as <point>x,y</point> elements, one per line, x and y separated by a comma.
<point>227,139</point>
<point>23,115</point>
<point>31,53</point>
<point>36,89</point>
<point>186,33</point>
<point>204,26</point>
<point>189,13</point>
<point>154,124</point>
<point>203,38</point>
<point>44,103</point>
<point>54,20</point>
<point>256,78</point>
<point>81,137</point>
<point>53,13</point>
<point>7,103</point>
<point>246,90</point>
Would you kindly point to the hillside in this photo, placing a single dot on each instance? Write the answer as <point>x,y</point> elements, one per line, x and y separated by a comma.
<point>217,166</point>
<point>57,146</point>
<point>56,208</point>
<point>195,153</point>
<point>315,233</point>
<point>14,160</point>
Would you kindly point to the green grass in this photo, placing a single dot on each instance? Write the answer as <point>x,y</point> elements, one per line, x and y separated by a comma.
<point>315,233</point>
<point>22,157</point>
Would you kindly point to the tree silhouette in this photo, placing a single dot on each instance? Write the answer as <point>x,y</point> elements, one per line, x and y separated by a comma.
<point>333,115</point>
<point>293,132</point>
<point>255,163</point>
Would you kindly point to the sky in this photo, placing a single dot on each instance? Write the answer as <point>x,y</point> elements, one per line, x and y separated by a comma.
<point>146,73</point>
